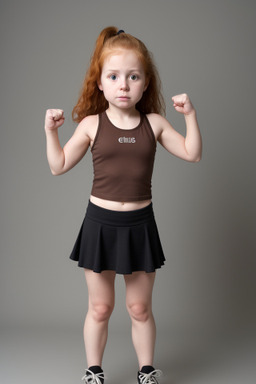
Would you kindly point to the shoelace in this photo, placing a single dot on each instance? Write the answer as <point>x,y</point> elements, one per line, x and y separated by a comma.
<point>92,378</point>
<point>150,378</point>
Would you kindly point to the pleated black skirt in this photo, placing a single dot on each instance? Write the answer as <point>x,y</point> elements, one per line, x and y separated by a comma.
<point>124,242</point>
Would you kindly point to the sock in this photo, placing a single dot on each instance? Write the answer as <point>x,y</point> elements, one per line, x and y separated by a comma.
<point>95,369</point>
<point>147,369</point>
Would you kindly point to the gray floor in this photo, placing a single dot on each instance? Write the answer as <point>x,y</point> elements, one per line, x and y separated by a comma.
<point>48,355</point>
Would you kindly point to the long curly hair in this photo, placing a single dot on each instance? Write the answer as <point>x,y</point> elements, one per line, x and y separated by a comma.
<point>91,100</point>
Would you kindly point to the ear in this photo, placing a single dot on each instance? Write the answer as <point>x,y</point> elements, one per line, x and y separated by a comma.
<point>100,86</point>
<point>146,85</point>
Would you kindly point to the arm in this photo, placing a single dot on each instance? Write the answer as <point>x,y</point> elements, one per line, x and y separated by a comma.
<point>61,159</point>
<point>188,148</point>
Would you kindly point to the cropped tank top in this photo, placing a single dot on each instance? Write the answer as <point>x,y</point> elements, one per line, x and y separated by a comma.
<point>123,161</point>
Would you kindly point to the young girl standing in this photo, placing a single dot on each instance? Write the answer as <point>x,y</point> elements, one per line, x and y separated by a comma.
<point>119,114</point>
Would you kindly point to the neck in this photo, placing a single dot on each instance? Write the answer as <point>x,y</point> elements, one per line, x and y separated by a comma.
<point>124,119</point>
<point>122,114</point>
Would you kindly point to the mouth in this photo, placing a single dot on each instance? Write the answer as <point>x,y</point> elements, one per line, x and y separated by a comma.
<point>123,98</point>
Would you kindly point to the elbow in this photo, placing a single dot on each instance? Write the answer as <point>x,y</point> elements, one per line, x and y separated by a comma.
<point>55,173</point>
<point>195,159</point>
<point>57,169</point>
<point>198,159</point>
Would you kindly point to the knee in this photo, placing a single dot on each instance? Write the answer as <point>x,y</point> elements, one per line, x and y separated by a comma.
<point>101,312</point>
<point>139,311</point>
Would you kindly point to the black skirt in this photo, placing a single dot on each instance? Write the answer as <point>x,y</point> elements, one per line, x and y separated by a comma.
<point>124,242</point>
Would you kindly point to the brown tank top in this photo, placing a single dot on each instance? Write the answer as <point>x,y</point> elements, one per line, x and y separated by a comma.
<point>123,161</point>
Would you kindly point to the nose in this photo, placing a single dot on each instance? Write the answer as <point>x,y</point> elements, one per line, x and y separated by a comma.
<point>124,86</point>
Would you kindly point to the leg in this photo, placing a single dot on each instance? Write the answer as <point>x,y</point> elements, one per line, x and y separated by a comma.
<point>101,304</point>
<point>139,287</point>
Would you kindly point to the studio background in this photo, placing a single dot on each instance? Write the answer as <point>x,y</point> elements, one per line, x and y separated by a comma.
<point>205,212</point>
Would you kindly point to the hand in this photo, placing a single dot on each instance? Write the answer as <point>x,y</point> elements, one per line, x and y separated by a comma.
<point>54,118</point>
<point>182,104</point>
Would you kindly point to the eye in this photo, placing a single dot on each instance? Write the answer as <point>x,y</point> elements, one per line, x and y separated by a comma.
<point>134,77</point>
<point>113,77</point>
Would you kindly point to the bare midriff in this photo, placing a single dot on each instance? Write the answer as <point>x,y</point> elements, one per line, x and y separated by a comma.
<point>119,206</point>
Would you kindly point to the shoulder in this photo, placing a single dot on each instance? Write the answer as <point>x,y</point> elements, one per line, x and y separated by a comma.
<point>155,118</point>
<point>158,123</point>
<point>89,121</point>
<point>86,129</point>
<point>89,125</point>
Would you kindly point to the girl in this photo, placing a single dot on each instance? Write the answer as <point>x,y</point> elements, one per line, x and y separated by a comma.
<point>119,115</point>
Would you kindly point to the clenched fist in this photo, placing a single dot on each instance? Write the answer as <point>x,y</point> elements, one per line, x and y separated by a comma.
<point>54,118</point>
<point>183,104</point>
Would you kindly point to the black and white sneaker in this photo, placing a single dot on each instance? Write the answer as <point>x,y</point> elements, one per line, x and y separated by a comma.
<point>146,376</point>
<point>93,378</point>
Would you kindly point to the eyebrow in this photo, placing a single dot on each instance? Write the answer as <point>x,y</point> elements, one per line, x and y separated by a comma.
<point>118,70</point>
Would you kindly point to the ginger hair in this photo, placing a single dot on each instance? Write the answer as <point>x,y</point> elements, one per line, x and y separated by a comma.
<point>91,100</point>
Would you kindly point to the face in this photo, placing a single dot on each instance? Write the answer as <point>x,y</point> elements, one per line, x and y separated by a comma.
<point>123,79</point>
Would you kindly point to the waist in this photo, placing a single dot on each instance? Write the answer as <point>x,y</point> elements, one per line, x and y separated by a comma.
<point>118,205</point>
<point>120,218</point>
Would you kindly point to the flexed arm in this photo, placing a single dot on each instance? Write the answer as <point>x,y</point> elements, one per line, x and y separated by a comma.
<point>188,148</point>
<point>193,140</point>
<point>61,159</point>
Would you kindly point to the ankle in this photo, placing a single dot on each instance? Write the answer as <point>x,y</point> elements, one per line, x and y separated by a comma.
<point>147,369</point>
<point>95,369</point>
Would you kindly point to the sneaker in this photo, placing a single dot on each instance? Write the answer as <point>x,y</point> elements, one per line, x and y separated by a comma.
<point>149,378</point>
<point>93,378</point>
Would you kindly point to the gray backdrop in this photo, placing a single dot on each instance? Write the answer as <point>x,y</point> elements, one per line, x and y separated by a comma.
<point>205,212</point>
